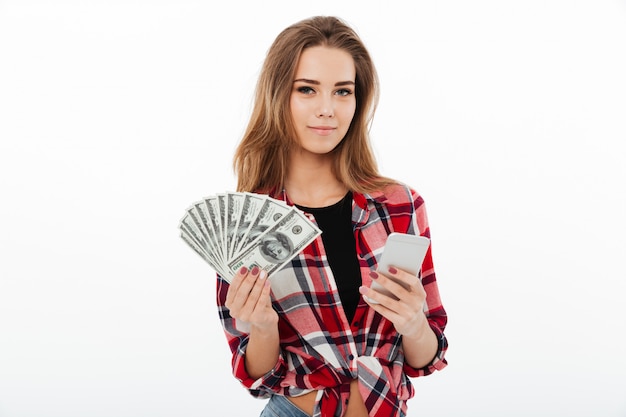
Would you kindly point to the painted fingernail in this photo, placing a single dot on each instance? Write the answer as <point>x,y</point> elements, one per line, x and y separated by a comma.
<point>255,270</point>
<point>373,275</point>
<point>363,290</point>
<point>243,270</point>
<point>393,270</point>
<point>263,274</point>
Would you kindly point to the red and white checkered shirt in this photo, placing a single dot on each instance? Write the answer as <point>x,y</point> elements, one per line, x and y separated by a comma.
<point>320,349</point>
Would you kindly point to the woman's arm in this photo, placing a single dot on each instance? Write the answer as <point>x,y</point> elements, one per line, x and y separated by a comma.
<point>419,342</point>
<point>249,302</point>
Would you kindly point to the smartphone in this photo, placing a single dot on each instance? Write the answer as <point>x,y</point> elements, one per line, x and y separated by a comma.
<point>401,251</point>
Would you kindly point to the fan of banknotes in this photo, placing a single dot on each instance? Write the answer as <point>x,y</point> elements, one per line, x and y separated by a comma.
<point>234,229</point>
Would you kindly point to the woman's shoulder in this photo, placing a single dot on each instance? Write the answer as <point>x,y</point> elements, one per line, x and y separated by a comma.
<point>399,193</point>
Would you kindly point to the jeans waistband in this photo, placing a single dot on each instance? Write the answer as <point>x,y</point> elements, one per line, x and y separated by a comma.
<point>279,406</point>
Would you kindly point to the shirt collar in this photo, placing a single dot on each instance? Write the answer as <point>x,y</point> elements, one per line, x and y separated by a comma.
<point>362,200</point>
<point>364,203</point>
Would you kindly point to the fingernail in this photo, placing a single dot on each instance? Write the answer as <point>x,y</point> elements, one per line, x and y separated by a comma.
<point>263,274</point>
<point>255,270</point>
<point>393,270</point>
<point>243,270</point>
<point>373,275</point>
<point>363,290</point>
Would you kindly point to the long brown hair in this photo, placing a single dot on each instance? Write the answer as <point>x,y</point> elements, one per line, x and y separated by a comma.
<point>261,159</point>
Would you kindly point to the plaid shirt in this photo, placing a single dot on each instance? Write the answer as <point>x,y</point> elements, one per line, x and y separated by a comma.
<point>320,349</point>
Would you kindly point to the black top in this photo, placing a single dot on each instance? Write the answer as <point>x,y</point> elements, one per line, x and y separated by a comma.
<point>335,222</point>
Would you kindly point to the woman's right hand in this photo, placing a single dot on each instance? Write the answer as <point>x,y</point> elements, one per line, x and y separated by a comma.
<point>249,301</point>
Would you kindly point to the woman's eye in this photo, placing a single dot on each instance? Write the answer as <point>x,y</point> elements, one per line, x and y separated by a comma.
<point>305,90</point>
<point>344,92</point>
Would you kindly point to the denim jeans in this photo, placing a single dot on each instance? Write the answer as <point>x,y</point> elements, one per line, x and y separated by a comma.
<point>279,406</point>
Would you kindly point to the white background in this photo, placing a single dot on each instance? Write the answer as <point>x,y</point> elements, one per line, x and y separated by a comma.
<point>508,117</point>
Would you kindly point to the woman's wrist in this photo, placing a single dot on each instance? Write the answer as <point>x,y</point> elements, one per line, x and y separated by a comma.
<point>264,332</point>
<point>420,329</point>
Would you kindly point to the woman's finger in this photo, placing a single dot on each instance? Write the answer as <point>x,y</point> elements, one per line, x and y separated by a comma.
<point>256,292</point>
<point>263,300</point>
<point>240,292</point>
<point>235,283</point>
<point>404,285</point>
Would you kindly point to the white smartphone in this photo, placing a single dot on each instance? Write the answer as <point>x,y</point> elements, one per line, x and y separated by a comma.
<point>402,251</point>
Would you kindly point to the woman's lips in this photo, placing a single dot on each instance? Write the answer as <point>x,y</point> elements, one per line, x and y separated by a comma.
<point>322,130</point>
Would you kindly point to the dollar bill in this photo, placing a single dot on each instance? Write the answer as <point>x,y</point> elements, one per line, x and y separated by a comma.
<point>202,220</point>
<point>207,258</point>
<point>277,245</point>
<point>233,211</point>
<point>190,226</point>
<point>230,230</point>
<point>222,206</point>
<point>250,209</point>
<point>269,214</point>
<point>211,205</point>
<point>194,238</point>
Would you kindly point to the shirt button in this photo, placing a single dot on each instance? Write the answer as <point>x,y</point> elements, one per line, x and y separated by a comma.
<point>351,357</point>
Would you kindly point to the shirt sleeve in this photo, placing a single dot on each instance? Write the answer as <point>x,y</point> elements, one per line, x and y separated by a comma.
<point>439,362</point>
<point>435,313</point>
<point>238,338</point>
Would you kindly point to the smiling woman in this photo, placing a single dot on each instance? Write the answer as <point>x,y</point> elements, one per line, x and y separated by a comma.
<point>312,344</point>
<point>322,102</point>
<point>507,116</point>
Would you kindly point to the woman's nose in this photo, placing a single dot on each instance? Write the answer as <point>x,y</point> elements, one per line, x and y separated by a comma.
<point>325,107</point>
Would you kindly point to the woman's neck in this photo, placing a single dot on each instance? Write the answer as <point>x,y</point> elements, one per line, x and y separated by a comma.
<point>311,182</point>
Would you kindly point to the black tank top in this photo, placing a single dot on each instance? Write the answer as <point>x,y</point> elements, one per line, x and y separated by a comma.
<point>335,222</point>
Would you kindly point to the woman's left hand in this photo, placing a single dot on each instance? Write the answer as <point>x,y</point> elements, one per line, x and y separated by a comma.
<point>407,312</point>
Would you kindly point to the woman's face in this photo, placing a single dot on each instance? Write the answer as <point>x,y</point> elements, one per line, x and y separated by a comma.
<point>322,98</point>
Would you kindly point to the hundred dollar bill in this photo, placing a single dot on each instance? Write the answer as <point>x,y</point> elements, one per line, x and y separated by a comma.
<point>222,206</point>
<point>233,211</point>
<point>201,218</point>
<point>250,209</point>
<point>190,242</point>
<point>268,215</point>
<point>190,227</point>
<point>194,238</point>
<point>277,245</point>
<point>212,207</point>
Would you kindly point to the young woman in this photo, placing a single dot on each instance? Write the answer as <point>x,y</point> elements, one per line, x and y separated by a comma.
<point>307,338</point>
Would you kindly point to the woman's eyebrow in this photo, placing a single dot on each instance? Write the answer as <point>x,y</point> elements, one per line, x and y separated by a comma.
<point>315,82</point>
